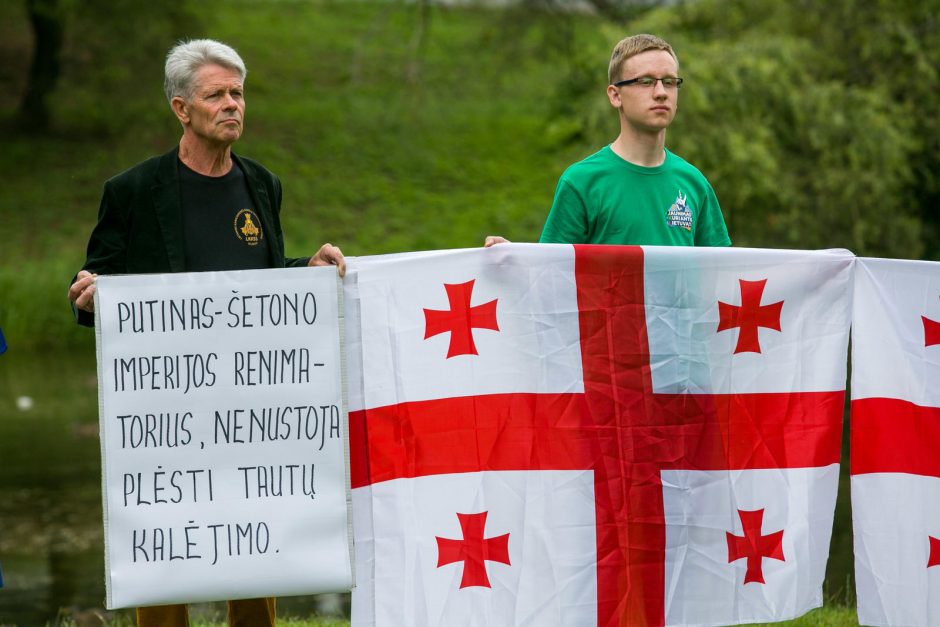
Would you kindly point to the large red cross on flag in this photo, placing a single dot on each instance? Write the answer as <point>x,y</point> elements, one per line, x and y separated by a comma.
<point>608,430</point>
<point>895,440</point>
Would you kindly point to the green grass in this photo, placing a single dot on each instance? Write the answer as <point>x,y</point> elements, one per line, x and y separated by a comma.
<point>822,617</point>
<point>124,621</point>
<point>831,616</point>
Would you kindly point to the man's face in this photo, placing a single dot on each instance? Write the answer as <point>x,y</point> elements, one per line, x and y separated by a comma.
<point>647,109</point>
<point>216,111</point>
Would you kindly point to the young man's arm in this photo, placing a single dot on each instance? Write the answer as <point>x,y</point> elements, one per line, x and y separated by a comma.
<point>710,229</point>
<point>567,221</point>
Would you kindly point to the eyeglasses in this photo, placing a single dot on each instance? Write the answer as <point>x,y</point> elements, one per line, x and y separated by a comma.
<point>669,82</point>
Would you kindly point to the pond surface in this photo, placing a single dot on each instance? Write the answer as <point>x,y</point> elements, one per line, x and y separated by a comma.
<point>51,535</point>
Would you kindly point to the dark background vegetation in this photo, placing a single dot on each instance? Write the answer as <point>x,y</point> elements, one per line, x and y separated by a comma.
<point>405,125</point>
<point>400,126</point>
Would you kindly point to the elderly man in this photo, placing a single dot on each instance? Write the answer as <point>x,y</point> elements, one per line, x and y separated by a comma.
<point>635,191</point>
<point>198,207</point>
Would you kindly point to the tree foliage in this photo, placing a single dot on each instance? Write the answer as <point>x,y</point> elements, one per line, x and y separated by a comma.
<point>817,123</point>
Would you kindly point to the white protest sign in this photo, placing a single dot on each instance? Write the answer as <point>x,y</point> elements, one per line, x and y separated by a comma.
<point>224,437</point>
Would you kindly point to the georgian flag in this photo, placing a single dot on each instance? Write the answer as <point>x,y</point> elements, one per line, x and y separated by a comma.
<point>895,437</point>
<point>581,435</point>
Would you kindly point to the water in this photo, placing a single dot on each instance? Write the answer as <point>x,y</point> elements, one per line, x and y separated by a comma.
<point>51,534</point>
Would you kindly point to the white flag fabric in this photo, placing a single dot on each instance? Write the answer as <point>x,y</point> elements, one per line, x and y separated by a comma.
<point>543,573</point>
<point>895,436</point>
<point>688,356</point>
<point>578,435</point>
<point>703,508</point>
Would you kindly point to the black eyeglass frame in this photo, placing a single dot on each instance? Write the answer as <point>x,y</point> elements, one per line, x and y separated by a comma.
<point>634,81</point>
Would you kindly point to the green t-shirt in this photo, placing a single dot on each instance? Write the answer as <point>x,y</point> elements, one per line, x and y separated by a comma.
<point>607,200</point>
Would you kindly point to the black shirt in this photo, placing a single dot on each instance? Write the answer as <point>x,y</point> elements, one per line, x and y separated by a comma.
<point>221,229</point>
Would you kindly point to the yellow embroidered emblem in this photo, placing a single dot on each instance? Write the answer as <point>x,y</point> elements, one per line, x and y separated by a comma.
<point>248,227</point>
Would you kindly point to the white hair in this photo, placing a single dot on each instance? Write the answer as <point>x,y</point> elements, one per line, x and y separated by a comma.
<point>186,57</point>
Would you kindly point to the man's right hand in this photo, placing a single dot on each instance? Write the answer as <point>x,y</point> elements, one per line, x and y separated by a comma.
<point>82,291</point>
<point>492,240</point>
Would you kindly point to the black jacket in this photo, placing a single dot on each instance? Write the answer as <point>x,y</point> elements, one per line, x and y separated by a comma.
<point>140,222</point>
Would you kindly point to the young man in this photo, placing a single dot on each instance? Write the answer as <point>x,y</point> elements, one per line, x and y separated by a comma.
<point>198,207</point>
<point>635,191</point>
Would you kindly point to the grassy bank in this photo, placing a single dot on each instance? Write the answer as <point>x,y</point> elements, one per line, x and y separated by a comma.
<point>398,129</point>
<point>382,145</point>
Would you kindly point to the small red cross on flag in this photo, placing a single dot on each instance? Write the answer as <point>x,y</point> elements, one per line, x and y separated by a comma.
<point>931,331</point>
<point>607,429</point>
<point>934,558</point>
<point>474,550</point>
<point>754,547</point>
<point>461,319</point>
<point>749,316</point>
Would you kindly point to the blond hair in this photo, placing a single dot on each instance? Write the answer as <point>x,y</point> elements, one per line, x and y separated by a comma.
<point>632,46</point>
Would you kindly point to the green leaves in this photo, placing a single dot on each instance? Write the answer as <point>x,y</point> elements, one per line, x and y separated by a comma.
<point>817,123</point>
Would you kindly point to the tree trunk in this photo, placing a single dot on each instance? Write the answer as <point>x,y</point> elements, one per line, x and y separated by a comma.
<point>418,41</point>
<point>47,20</point>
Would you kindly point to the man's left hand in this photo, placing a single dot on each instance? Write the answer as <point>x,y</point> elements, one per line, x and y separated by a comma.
<point>329,255</point>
